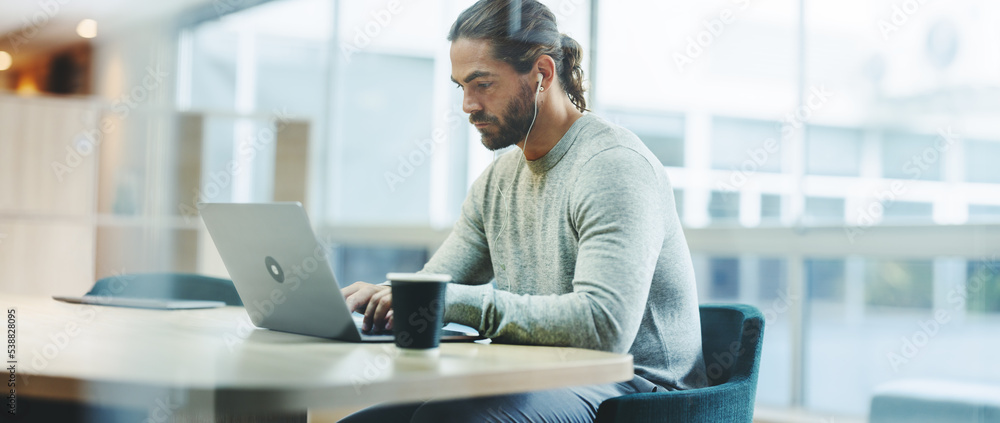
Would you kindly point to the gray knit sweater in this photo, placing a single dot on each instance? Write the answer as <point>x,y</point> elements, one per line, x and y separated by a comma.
<point>592,255</point>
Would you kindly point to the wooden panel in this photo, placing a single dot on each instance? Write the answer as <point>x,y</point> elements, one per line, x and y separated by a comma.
<point>48,160</point>
<point>45,257</point>
<point>187,173</point>
<point>140,247</point>
<point>124,249</point>
<point>9,136</point>
<point>291,170</point>
<point>185,250</point>
<point>48,155</point>
<point>113,158</point>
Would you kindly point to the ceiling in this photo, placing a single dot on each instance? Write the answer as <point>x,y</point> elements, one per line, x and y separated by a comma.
<point>32,27</point>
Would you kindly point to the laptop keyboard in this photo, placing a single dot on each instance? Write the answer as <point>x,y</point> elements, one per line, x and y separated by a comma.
<point>450,329</point>
<point>359,323</point>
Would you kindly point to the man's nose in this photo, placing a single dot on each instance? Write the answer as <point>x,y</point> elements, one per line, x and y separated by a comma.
<point>470,104</point>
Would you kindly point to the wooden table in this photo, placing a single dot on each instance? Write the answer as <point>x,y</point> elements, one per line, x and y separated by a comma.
<point>215,360</point>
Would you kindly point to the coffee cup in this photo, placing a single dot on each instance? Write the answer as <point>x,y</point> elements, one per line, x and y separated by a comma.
<point>418,301</point>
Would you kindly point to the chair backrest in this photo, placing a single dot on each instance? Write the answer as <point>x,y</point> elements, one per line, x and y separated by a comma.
<point>731,336</point>
<point>731,339</point>
<point>173,286</point>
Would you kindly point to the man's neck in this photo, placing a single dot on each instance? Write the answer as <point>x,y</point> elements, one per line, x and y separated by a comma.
<point>553,121</point>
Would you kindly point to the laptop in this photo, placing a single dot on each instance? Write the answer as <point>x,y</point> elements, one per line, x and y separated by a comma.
<point>151,303</point>
<point>282,273</point>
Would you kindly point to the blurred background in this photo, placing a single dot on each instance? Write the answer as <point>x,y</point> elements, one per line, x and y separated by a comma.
<point>834,163</point>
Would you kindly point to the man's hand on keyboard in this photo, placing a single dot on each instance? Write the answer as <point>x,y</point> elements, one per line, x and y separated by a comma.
<point>374,301</point>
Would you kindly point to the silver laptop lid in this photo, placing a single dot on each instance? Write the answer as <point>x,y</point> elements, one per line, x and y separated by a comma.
<point>280,270</point>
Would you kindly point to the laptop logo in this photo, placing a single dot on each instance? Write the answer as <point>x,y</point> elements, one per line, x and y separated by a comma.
<point>274,269</point>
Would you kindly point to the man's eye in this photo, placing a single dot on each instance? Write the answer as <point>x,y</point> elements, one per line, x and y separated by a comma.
<point>484,84</point>
<point>459,86</point>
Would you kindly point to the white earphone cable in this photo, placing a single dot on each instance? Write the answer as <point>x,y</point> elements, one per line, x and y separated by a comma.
<point>524,148</point>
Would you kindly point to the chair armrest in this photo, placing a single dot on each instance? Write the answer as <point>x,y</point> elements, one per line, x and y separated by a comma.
<point>713,404</point>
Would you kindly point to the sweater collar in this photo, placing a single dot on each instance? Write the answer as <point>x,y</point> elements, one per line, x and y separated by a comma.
<point>559,150</point>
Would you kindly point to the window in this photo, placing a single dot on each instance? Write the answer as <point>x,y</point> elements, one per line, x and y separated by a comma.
<point>387,178</point>
<point>897,283</point>
<point>663,134</point>
<point>908,212</point>
<point>370,264</point>
<point>910,156</point>
<point>724,207</point>
<point>773,283</point>
<point>739,142</point>
<point>983,287</point>
<point>770,208</point>
<point>824,210</point>
<point>833,151</point>
<point>825,279</point>
<point>981,161</point>
<point>981,212</point>
<point>725,278</point>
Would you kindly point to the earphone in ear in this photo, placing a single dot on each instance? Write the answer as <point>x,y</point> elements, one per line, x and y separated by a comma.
<point>540,82</point>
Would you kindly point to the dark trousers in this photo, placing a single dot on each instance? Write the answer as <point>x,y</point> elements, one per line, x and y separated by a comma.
<point>577,404</point>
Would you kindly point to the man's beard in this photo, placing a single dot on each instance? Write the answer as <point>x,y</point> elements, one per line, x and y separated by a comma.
<point>516,121</point>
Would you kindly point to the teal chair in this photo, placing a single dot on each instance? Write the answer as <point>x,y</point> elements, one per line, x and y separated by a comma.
<point>935,400</point>
<point>168,286</point>
<point>732,378</point>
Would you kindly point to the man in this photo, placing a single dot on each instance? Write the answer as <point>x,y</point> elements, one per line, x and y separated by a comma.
<point>577,227</point>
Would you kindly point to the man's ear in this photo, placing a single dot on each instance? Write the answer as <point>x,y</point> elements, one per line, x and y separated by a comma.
<point>547,67</point>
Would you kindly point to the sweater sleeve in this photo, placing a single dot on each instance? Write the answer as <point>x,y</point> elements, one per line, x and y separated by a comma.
<point>616,210</point>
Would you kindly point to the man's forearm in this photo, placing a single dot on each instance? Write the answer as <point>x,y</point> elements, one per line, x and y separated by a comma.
<point>577,319</point>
